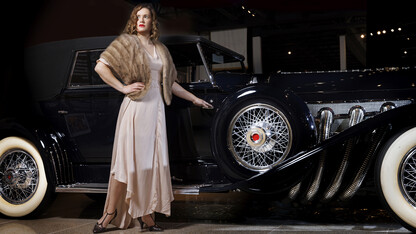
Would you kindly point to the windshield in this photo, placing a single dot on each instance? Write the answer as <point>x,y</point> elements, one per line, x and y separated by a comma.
<point>190,65</point>
<point>221,61</point>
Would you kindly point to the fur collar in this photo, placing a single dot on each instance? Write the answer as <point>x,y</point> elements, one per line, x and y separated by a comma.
<point>129,63</point>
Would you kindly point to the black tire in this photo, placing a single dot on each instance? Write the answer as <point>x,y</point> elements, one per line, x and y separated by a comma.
<point>395,171</point>
<point>24,186</point>
<point>244,148</point>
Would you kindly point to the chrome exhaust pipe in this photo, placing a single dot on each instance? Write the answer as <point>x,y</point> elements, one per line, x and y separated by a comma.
<point>387,106</point>
<point>356,114</point>
<point>294,191</point>
<point>326,116</point>
<point>379,134</point>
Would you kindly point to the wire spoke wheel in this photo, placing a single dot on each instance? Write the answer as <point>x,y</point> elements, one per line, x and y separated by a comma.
<point>259,137</point>
<point>24,187</point>
<point>18,176</point>
<point>407,176</point>
<point>396,177</point>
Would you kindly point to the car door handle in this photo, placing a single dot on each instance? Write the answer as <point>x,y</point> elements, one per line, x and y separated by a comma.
<point>62,112</point>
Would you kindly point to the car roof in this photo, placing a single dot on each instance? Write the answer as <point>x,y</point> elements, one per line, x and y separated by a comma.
<point>47,66</point>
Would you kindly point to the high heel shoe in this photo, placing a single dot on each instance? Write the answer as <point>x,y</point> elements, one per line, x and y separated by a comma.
<point>98,228</point>
<point>153,228</point>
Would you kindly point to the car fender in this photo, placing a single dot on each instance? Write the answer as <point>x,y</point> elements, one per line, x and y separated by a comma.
<point>399,118</point>
<point>302,125</point>
<point>50,143</point>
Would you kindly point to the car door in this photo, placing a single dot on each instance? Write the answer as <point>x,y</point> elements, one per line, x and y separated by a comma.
<point>88,109</point>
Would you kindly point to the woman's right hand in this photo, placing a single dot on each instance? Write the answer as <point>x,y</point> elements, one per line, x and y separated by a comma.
<point>137,86</point>
<point>108,77</point>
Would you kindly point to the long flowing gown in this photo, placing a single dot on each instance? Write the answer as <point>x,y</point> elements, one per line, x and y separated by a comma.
<point>140,154</point>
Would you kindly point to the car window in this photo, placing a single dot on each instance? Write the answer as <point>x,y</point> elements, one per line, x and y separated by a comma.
<point>190,66</point>
<point>192,73</point>
<point>188,63</point>
<point>83,74</point>
<point>221,61</point>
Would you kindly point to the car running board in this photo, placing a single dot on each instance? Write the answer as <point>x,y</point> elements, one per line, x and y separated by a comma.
<point>193,189</point>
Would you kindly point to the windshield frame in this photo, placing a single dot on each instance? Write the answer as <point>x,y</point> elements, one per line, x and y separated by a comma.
<point>208,65</point>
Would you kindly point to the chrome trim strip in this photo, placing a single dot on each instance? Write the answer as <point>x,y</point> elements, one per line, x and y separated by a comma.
<point>204,61</point>
<point>186,190</point>
<point>102,188</point>
<point>58,151</point>
<point>342,108</point>
<point>373,70</point>
<point>100,86</point>
<point>55,168</point>
<point>60,166</point>
<point>80,190</point>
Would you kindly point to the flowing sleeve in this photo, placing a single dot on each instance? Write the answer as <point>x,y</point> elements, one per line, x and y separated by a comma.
<point>104,61</point>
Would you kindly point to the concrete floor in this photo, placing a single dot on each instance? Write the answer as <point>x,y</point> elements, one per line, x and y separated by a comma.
<point>234,212</point>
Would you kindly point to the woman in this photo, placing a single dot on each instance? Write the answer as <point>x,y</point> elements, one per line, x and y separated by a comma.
<point>140,182</point>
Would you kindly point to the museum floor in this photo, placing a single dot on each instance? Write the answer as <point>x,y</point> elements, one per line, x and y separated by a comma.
<point>234,212</point>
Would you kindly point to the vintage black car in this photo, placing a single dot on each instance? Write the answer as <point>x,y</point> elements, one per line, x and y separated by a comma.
<point>315,136</point>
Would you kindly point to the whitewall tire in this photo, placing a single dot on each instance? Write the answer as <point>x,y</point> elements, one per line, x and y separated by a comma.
<point>395,177</point>
<point>23,181</point>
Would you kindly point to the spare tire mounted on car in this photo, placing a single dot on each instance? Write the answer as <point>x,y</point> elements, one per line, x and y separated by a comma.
<point>259,136</point>
<point>253,133</point>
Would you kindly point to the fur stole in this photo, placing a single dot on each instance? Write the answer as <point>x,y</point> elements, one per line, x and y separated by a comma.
<point>129,63</point>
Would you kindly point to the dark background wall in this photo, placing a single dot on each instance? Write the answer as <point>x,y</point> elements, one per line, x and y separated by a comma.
<point>309,29</point>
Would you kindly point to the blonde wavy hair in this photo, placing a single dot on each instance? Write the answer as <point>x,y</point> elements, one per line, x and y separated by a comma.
<point>131,26</point>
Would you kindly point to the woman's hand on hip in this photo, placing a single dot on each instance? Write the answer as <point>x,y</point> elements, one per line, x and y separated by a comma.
<point>137,86</point>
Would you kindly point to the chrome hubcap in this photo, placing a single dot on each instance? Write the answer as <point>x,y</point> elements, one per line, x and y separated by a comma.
<point>19,176</point>
<point>259,137</point>
<point>407,177</point>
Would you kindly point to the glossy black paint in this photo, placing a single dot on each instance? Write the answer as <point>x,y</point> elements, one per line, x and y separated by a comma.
<point>86,116</point>
<point>53,147</point>
<point>296,109</point>
<point>303,127</point>
<point>74,126</point>
<point>396,119</point>
<point>349,85</point>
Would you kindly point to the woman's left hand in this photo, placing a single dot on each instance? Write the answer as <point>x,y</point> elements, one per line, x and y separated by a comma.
<point>202,103</point>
